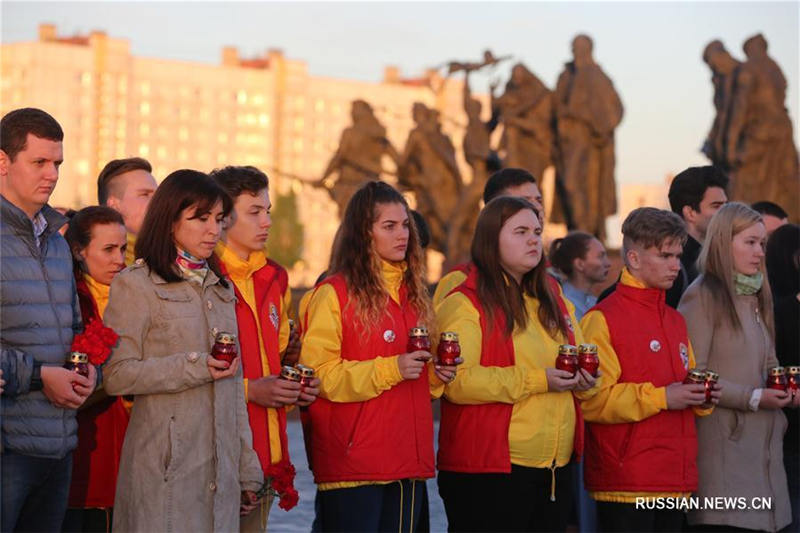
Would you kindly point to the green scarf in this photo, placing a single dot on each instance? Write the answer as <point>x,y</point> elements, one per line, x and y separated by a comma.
<point>748,285</point>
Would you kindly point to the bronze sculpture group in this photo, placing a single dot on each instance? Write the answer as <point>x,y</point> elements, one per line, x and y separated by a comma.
<point>751,137</point>
<point>571,129</point>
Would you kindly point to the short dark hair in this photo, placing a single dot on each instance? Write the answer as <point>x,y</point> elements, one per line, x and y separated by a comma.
<point>115,168</point>
<point>770,208</point>
<point>567,249</point>
<point>237,180</point>
<point>180,190</point>
<point>689,187</point>
<point>17,124</point>
<point>503,179</point>
<point>648,226</point>
<point>423,229</point>
<point>79,231</point>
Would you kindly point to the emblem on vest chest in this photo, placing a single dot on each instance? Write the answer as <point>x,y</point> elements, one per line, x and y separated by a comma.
<point>273,315</point>
<point>389,335</point>
<point>684,351</point>
<point>655,345</point>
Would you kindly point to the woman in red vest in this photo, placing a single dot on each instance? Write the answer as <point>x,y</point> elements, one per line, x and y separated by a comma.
<point>97,238</point>
<point>510,422</point>
<point>372,426</point>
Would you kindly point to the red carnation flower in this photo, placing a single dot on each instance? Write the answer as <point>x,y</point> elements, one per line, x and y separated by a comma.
<point>96,342</point>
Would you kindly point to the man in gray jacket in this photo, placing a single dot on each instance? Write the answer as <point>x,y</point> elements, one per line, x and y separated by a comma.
<point>39,314</point>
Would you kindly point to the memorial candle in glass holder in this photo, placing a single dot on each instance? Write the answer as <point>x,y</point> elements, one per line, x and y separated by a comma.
<point>78,362</point>
<point>710,381</point>
<point>587,358</point>
<point>306,374</point>
<point>224,348</point>
<point>418,340</point>
<point>567,358</point>
<point>794,379</point>
<point>449,349</point>
<point>695,377</point>
<point>777,379</point>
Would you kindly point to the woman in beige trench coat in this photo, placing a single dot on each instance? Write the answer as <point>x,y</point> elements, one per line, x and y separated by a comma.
<point>187,461</point>
<point>728,311</point>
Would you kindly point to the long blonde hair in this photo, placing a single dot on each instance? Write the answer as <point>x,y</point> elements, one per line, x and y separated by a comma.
<point>716,264</point>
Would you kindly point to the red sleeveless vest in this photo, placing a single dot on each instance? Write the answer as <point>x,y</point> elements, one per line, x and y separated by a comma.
<point>269,282</point>
<point>658,454</point>
<point>386,438</point>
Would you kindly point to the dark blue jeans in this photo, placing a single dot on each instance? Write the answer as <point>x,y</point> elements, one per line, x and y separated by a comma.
<point>395,506</point>
<point>34,492</point>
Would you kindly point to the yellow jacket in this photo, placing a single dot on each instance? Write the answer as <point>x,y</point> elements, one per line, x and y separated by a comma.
<point>542,424</point>
<point>447,283</point>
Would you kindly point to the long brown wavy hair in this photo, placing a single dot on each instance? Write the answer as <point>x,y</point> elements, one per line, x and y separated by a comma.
<point>354,256</point>
<point>499,291</point>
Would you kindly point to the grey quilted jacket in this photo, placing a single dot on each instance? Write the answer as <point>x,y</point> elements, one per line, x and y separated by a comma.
<point>39,314</point>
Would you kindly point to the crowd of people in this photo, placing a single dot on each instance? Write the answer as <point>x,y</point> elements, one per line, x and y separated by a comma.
<point>162,433</point>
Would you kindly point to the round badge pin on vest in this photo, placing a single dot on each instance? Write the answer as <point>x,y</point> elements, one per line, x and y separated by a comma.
<point>655,345</point>
<point>389,335</point>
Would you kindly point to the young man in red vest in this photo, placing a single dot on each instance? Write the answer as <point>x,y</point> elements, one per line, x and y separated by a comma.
<point>641,445</point>
<point>262,303</point>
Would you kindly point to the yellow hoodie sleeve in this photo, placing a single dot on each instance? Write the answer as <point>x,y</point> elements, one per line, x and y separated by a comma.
<point>616,403</point>
<point>448,282</point>
<point>476,384</point>
<point>341,380</point>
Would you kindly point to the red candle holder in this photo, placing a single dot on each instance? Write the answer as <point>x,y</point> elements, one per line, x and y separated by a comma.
<point>587,358</point>
<point>306,374</point>
<point>711,380</point>
<point>418,340</point>
<point>290,373</point>
<point>449,349</point>
<point>78,362</point>
<point>567,358</point>
<point>777,379</point>
<point>224,348</point>
<point>695,377</point>
<point>794,379</point>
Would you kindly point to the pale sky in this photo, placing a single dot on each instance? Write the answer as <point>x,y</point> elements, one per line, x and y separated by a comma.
<point>651,50</point>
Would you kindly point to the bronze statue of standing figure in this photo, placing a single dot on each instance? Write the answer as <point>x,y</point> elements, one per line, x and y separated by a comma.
<point>588,110</point>
<point>752,134</point>
<point>428,167</point>
<point>358,158</point>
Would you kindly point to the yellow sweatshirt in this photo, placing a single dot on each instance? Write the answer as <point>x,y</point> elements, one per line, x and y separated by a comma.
<point>99,292</point>
<point>542,426</point>
<point>617,403</point>
<point>447,283</point>
<point>241,273</point>
<point>343,380</point>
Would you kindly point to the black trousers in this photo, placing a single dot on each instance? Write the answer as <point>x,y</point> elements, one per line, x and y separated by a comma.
<point>394,507</point>
<point>519,501</point>
<point>616,517</point>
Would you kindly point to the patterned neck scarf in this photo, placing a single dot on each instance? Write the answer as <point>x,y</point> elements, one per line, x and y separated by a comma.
<point>193,269</point>
<point>748,285</point>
